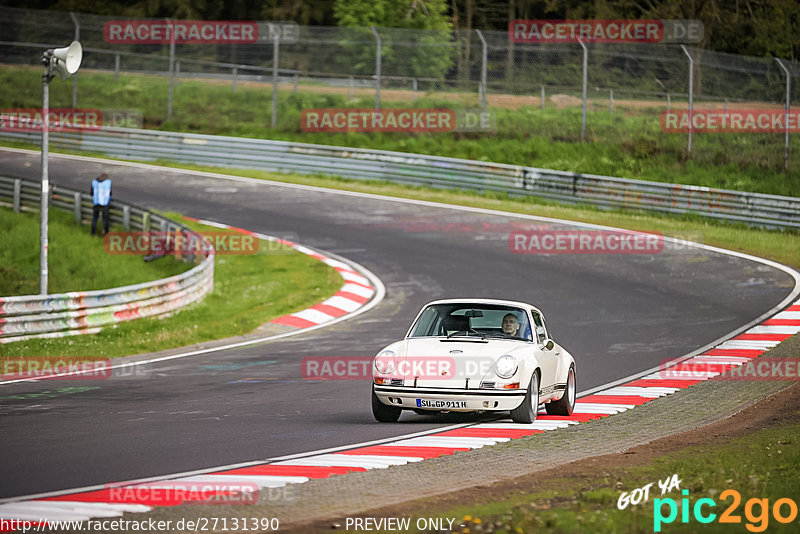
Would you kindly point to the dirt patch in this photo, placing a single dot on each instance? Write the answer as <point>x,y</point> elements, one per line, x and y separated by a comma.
<point>564,101</point>
<point>508,101</point>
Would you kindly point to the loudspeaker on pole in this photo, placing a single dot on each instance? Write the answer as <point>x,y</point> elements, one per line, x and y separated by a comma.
<point>68,59</point>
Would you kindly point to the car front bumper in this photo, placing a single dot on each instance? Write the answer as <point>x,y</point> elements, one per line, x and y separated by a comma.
<point>453,400</point>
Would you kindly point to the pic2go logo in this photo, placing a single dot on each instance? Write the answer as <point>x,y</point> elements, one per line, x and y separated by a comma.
<point>756,511</point>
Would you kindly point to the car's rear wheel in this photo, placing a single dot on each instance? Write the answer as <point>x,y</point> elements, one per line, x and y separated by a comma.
<point>566,404</point>
<point>383,413</point>
<point>526,412</point>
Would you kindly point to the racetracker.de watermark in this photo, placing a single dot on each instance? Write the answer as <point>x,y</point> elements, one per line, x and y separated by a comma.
<point>565,241</point>
<point>432,120</point>
<point>181,243</point>
<point>733,121</point>
<point>148,31</point>
<point>421,367</point>
<point>68,119</point>
<point>55,367</point>
<point>605,31</point>
<point>183,32</point>
<point>767,369</point>
<point>177,492</point>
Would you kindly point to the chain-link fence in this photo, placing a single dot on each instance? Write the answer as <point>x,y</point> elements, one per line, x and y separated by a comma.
<point>474,68</point>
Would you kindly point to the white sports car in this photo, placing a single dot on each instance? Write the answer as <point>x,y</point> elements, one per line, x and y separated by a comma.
<point>482,355</point>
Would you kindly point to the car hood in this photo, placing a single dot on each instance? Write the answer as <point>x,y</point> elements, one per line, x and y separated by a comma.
<point>431,346</point>
<point>449,363</point>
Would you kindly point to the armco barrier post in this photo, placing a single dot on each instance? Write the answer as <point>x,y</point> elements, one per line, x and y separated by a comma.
<point>233,81</point>
<point>116,66</point>
<point>17,195</point>
<point>76,199</point>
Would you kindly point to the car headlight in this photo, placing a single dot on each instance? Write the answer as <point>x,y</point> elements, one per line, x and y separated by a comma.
<point>506,366</point>
<point>385,362</point>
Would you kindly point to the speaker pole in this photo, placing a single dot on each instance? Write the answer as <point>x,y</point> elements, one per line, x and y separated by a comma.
<point>66,61</point>
<point>75,79</point>
<point>43,241</point>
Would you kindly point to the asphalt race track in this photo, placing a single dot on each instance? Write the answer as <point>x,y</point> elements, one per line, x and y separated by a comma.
<point>616,313</point>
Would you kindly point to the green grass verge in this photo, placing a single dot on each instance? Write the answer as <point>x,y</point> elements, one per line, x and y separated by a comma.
<point>77,260</point>
<point>248,290</point>
<point>581,504</point>
<point>627,144</point>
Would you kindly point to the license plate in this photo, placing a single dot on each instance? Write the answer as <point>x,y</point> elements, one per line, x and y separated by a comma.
<point>422,403</point>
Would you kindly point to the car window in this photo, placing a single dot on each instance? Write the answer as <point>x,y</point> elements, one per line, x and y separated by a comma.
<point>470,319</point>
<point>490,319</point>
<point>541,331</point>
<point>428,323</point>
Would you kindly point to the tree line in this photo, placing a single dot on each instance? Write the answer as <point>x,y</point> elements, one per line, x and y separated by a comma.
<point>751,27</point>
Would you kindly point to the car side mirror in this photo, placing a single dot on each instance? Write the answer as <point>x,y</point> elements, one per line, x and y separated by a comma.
<point>548,344</point>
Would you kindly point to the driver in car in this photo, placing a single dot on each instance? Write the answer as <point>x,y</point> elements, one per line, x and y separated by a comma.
<point>510,324</point>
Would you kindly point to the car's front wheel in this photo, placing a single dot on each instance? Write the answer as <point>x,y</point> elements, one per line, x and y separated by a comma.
<point>526,412</point>
<point>383,413</point>
<point>566,404</point>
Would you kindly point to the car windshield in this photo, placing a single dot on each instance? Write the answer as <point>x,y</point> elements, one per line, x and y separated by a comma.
<point>473,320</point>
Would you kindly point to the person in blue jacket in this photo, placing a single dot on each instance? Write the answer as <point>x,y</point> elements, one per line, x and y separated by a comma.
<point>101,198</point>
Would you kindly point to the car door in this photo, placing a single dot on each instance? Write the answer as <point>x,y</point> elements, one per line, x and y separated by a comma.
<point>548,359</point>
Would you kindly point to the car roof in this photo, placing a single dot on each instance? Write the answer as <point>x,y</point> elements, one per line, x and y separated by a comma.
<point>484,301</point>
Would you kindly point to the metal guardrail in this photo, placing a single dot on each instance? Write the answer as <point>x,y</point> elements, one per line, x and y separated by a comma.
<point>435,171</point>
<point>26,316</point>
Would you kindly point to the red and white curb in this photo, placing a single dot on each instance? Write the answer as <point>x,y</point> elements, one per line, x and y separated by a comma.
<point>225,483</point>
<point>354,294</point>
